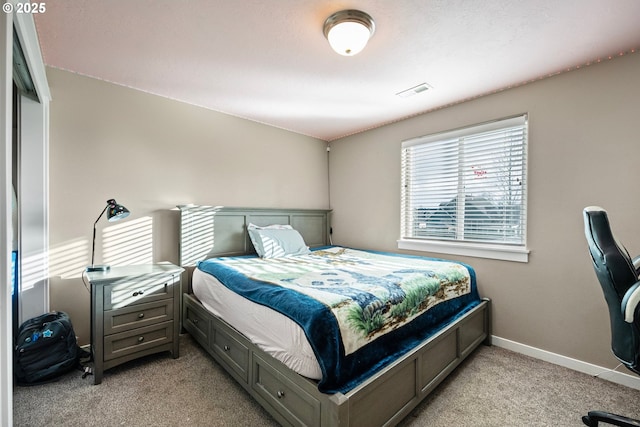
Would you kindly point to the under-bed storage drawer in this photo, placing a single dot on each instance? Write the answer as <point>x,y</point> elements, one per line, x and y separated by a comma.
<point>196,321</point>
<point>285,396</point>
<point>232,351</point>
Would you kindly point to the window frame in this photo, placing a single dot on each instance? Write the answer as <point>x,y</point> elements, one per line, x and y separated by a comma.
<point>517,252</point>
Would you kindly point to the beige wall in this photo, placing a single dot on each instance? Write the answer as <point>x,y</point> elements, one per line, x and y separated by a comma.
<point>150,154</point>
<point>584,149</point>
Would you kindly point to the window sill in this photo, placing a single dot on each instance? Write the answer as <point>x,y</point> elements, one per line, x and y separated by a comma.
<point>478,250</point>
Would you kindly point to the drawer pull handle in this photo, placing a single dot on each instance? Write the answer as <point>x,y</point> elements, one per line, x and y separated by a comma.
<point>140,316</point>
<point>136,293</point>
<point>140,339</point>
<point>227,348</point>
<point>195,321</point>
<point>280,394</point>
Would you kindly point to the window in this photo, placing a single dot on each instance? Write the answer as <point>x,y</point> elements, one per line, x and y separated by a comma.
<point>464,191</point>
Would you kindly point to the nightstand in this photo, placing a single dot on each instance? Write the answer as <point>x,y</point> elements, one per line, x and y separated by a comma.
<point>135,311</point>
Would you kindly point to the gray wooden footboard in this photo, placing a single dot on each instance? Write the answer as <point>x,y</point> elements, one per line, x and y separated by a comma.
<point>382,400</point>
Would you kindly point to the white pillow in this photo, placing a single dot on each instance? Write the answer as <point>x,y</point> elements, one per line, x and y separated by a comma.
<point>276,241</point>
<point>255,238</point>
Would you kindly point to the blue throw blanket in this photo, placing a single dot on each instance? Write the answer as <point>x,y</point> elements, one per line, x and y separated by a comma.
<point>360,310</point>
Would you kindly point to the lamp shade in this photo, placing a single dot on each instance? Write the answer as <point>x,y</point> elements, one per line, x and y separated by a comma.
<point>348,31</point>
<point>115,211</point>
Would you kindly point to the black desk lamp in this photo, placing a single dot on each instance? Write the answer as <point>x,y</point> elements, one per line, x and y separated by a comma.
<point>115,212</point>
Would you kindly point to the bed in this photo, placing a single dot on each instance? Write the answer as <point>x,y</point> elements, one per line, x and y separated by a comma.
<point>331,367</point>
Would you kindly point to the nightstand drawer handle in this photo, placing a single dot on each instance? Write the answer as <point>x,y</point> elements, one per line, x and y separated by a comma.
<point>136,293</point>
<point>280,394</point>
<point>195,321</point>
<point>140,316</point>
<point>140,339</point>
<point>227,348</point>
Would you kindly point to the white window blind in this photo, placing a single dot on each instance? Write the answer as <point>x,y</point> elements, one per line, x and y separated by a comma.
<point>467,185</point>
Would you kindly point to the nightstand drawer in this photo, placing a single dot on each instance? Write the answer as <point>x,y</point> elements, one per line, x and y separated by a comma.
<point>138,290</point>
<point>136,340</point>
<point>137,316</point>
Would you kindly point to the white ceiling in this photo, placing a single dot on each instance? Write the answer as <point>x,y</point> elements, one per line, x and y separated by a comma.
<point>268,60</point>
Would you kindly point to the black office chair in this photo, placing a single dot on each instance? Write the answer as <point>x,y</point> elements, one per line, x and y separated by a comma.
<point>618,274</point>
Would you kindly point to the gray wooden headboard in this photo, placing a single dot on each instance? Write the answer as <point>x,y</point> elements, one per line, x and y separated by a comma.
<point>213,231</point>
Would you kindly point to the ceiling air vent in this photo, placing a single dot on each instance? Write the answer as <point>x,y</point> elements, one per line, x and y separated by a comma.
<point>422,87</point>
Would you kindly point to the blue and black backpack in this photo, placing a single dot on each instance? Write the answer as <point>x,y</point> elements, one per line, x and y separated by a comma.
<point>46,347</point>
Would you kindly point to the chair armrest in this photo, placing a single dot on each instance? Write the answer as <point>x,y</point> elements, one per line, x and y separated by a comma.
<point>636,264</point>
<point>630,302</point>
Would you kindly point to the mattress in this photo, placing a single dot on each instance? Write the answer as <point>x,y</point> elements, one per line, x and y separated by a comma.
<point>272,332</point>
<point>348,312</point>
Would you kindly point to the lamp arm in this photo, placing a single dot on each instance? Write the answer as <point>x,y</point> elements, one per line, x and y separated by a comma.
<point>93,247</point>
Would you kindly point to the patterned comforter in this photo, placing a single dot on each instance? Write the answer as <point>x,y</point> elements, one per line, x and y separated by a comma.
<point>359,309</point>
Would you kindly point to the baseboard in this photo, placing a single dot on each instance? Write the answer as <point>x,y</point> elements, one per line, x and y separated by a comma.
<point>577,365</point>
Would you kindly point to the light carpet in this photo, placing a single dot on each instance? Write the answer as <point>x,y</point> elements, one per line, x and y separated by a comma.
<point>493,387</point>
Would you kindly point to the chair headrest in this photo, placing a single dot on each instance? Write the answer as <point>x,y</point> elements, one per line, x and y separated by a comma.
<point>610,258</point>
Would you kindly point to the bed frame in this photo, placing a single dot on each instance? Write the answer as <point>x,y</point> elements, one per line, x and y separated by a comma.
<point>293,400</point>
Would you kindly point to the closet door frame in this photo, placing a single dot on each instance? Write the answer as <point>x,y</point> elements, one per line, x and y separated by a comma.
<point>37,140</point>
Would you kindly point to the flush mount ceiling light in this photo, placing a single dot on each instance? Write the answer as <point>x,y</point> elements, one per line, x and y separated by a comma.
<point>348,31</point>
